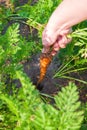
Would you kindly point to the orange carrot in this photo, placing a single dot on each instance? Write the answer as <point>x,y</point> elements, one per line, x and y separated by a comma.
<point>45,60</point>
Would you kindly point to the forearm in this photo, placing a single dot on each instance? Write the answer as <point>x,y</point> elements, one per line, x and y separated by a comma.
<point>67,14</point>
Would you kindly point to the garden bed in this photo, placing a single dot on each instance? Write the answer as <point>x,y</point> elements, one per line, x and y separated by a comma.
<point>49,85</point>
<point>59,101</point>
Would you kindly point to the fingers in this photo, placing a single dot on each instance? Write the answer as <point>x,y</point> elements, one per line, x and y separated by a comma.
<point>45,49</point>
<point>49,36</point>
<point>61,42</point>
<point>55,40</point>
<point>47,40</point>
<point>55,48</point>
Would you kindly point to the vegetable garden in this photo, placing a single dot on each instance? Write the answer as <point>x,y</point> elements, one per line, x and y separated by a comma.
<point>59,102</point>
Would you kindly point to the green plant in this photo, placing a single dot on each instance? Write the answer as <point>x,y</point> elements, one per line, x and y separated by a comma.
<point>68,68</point>
<point>78,46</point>
<point>14,49</point>
<point>75,55</point>
<point>84,124</point>
<point>22,108</point>
<point>26,110</point>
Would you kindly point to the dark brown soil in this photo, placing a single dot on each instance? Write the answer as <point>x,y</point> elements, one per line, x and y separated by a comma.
<point>52,85</point>
<point>49,85</point>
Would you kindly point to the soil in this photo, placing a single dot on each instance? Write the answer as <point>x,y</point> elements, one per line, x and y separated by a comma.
<point>49,85</point>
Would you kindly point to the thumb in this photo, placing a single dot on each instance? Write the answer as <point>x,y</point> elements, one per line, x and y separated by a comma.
<point>49,37</point>
<point>45,49</point>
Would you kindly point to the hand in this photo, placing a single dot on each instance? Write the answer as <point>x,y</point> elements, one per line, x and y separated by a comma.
<point>55,39</point>
<point>67,14</point>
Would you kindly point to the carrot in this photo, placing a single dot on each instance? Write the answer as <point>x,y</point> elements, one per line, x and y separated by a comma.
<point>45,60</point>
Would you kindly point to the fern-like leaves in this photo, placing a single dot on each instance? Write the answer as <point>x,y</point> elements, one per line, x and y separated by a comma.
<point>70,117</point>
<point>64,116</point>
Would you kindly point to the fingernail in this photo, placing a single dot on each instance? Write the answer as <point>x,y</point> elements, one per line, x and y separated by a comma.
<point>45,42</point>
<point>53,53</point>
<point>56,49</point>
<point>45,50</point>
<point>62,46</point>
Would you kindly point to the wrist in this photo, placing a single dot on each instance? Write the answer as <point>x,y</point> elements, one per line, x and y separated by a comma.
<point>67,14</point>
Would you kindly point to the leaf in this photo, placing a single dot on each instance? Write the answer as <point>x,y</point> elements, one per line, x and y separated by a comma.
<point>68,105</point>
